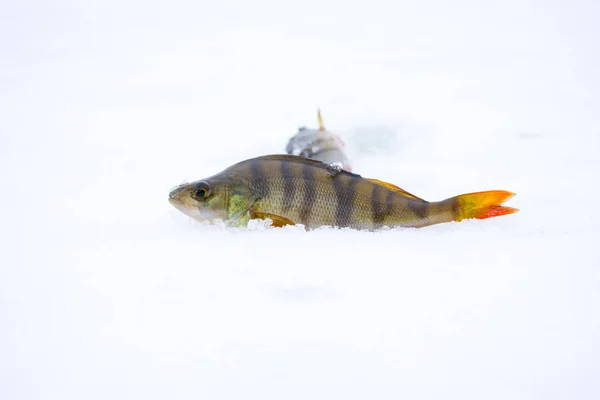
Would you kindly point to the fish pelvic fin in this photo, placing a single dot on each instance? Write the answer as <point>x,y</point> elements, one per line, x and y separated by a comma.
<point>395,188</point>
<point>278,221</point>
<point>482,205</point>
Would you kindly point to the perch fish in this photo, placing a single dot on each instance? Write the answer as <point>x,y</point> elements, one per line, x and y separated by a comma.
<point>292,190</point>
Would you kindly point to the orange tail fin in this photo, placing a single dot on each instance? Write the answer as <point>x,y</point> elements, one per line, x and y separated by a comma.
<point>482,205</point>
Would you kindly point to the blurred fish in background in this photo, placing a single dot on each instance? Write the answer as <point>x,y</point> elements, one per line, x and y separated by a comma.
<point>320,145</point>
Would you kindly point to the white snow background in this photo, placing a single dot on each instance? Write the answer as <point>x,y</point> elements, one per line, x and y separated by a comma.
<point>107,292</point>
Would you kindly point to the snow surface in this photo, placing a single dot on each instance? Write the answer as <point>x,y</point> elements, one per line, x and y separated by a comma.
<point>106,291</point>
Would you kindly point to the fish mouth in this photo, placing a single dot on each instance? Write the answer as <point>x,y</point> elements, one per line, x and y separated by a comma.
<point>175,201</point>
<point>179,198</point>
<point>174,198</point>
<point>185,208</point>
<point>175,194</point>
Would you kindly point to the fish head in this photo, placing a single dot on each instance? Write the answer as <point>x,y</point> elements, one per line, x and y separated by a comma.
<point>211,199</point>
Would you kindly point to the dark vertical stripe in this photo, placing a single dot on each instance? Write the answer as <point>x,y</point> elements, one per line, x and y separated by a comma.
<point>289,189</point>
<point>344,187</point>
<point>381,208</point>
<point>455,208</point>
<point>419,208</point>
<point>389,203</point>
<point>309,195</point>
<point>258,178</point>
<point>377,207</point>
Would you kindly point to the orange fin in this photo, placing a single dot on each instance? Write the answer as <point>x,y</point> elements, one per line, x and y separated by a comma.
<point>278,221</point>
<point>395,189</point>
<point>482,205</point>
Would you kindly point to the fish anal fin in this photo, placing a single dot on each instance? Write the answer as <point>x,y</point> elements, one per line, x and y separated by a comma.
<point>395,189</point>
<point>278,220</point>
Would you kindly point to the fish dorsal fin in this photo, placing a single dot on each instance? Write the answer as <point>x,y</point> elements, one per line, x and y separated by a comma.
<point>320,119</point>
<point>301,160</point>
<point>332,172</point>
<point>395,189</point>
<point>291,158</point>
<point>278,220</point>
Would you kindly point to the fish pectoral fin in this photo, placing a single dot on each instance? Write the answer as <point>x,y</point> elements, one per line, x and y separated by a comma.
<point>395,189</point>
<point>278,220</point>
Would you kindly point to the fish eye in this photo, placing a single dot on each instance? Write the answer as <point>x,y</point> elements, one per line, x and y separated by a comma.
<point>200,191</point>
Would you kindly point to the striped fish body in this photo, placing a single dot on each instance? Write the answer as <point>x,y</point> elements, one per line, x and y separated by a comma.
<point>295,190</point>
